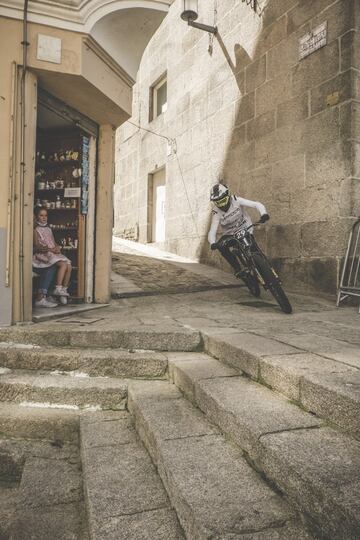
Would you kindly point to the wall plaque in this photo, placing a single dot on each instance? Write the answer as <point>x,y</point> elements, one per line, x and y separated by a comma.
<point>312,41</point>
<point>49,49</point>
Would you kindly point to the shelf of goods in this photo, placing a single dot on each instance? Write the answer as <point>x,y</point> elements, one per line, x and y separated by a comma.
<point>58,189</point>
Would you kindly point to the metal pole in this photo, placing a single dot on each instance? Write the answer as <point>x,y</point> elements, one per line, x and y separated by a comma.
<point>25,45</point>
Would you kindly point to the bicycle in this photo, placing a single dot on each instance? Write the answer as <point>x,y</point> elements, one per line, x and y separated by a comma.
<point>256,269</point>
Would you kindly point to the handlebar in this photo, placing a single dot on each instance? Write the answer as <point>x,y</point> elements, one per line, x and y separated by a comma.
<point>215,245</point>
<point>250,226</point>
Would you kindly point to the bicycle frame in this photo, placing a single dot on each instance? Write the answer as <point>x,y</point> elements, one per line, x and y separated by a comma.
<point>246,246</point>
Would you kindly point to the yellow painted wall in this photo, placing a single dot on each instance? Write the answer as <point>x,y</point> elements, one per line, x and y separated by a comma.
<point>86,79</point>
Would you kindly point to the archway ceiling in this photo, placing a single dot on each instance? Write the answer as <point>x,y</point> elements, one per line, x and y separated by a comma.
<point>125,34</point>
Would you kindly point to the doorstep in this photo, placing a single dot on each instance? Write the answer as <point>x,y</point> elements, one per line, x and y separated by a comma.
<point>45,314</point>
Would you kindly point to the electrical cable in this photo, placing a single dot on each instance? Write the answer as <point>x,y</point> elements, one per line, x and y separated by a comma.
<point>187,195</point>
<point>169,140</point>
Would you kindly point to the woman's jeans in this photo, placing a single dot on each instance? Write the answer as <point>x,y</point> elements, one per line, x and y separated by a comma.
<point>46,277</point>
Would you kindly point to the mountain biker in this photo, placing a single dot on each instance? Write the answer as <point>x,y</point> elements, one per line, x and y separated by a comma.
<point>229,212</point>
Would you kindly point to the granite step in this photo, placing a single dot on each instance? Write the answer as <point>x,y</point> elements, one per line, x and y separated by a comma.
<point>214,490</point>
<point>77,335</point>
<point>8,501</point>
<point>46,491</point>
<point>125,498</point>
<point>94,362</point>
<point>39,389</point>
<point>10,476</point>
<point>315,466</point>
<point>18,421</point>
<point>327,384</point>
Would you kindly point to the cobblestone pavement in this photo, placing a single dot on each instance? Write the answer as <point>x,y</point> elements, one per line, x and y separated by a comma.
<point>154,275</point>
<point>140,268</point>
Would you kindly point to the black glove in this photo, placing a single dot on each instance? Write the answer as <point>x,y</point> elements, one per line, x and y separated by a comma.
<point>264,217</point>
<point>214,246</point>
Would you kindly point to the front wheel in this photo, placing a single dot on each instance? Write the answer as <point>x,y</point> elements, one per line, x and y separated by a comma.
<point>248,275</point>
<point>252,284</point>
<point>271,282</point>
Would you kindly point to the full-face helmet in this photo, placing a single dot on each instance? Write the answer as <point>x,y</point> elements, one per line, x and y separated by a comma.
<point>220,196</point>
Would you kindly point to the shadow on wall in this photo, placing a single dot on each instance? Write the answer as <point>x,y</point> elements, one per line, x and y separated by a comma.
<point>262,153</point>
<point>232,165</point>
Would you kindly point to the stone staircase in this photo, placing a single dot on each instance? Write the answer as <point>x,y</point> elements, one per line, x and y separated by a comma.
<point>179,435</point>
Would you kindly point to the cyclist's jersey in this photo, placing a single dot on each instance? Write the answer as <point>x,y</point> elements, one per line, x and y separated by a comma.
<point>235,218</point>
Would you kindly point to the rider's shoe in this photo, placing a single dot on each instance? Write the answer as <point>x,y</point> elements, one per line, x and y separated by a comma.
<point>243,274</point>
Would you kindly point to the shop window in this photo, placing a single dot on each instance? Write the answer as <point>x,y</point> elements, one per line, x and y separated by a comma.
<point>158,98</point>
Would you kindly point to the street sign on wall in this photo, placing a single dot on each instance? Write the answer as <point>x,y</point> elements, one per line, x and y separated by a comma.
<point>49,49</point>
<point>313,41</point>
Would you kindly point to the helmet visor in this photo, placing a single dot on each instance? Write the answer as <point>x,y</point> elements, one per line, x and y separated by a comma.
<point>220,203</point>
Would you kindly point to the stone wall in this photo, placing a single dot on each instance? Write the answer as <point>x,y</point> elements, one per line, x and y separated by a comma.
<point>279,130</point>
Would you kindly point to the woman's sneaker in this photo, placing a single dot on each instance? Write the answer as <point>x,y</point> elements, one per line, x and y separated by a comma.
<point>63,300</point>
<point>64,291</point>
<point>44,302</point>
<point>57,291</point>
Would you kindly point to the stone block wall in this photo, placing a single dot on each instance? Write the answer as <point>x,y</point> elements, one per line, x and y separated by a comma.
<point>243,107</point>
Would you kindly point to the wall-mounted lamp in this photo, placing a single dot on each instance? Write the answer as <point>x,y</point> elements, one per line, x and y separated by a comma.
<point>190,14</point>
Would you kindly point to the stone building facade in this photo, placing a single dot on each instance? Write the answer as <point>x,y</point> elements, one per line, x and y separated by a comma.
<point>241,105</point>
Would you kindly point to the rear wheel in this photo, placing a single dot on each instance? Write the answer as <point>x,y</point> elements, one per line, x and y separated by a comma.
<point>272,282</point>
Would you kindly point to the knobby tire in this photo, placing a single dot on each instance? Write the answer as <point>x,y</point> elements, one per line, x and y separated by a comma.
<point>250,280</point>
<point>271,282</point>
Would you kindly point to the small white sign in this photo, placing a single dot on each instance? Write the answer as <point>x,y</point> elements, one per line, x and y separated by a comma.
<point>72,192</point>
<point>49,49</point>
<point>313,41</point>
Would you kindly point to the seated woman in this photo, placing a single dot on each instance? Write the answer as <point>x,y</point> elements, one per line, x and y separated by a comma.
<point>47,253</point>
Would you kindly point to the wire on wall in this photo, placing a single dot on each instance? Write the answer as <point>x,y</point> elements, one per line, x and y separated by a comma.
<point>173,144</point>
<point>187,196</point>
<point>169,140</point>
<point>211,35</point>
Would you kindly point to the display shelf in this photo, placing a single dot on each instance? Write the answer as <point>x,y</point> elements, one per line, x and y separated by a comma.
<point>47,190</point>
<point>63,229</point>
<point>61,209</point>
<point>55,164</point>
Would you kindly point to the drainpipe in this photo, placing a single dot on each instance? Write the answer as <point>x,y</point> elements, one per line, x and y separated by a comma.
<point>10,209</point>
<point>25,45</point>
